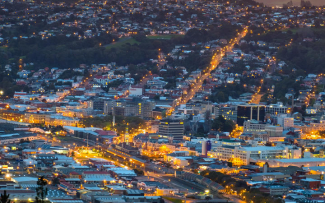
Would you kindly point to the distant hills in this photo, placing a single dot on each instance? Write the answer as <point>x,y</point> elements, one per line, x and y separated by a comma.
<point>295,2</point>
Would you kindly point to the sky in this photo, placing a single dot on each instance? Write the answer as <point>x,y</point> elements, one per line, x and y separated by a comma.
<point>295,2</point>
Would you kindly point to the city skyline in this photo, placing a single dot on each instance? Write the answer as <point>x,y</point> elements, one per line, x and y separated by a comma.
<point>162,101</point>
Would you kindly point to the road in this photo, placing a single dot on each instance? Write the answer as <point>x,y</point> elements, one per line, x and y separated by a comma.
<point>82,84</point>
<point>168,180</point>
<point>159,173</point>
<point>234,199</point>
<point>216,59</point>
<point>174,182</point>
<point>256,99</point>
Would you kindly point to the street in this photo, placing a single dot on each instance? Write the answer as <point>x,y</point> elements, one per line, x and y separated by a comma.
<point>216,59</point>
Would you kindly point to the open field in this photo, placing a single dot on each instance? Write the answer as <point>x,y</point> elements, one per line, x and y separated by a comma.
<point>122,42</point>
<point>162,36</point>
<point>129,40</point>
<point>174,200</point>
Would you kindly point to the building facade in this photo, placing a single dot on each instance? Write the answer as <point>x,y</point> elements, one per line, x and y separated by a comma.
<point>171,128</point>
<point>245,155</point>
<point>250,112</point>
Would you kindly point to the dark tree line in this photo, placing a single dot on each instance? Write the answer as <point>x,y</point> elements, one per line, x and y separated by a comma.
<point>221,124</point>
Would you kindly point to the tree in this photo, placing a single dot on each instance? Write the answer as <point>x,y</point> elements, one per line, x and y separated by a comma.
<point>156,97</point>
<point>221,97</point>
<point>139,172</point>
<point>41,190</point>
<point>5,197</point>
<point>221,124</point>
<point>229,126</point>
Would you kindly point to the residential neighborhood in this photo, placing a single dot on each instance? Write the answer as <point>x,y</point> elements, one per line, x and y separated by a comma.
<point>162,101</point>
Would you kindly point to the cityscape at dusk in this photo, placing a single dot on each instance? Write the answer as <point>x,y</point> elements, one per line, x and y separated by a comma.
<point>279,3</point>
<point>162,101</point>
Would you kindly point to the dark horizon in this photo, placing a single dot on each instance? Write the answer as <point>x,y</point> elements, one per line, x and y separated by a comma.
<point>295,2</point>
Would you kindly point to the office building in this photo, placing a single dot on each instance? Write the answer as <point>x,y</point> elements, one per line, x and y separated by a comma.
<point>171,128</point>
<point>278,108</point>
<point>245,155</point>
<point>285,121</point>
<point>108,106</point>
<point>228,112</point>
<point>254,126</point>
<point>34,117</point>
<point>96,104</point>
<point>130,107</point>
<point>250,112</point>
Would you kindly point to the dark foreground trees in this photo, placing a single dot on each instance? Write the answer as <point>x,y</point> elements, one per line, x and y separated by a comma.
<point>5,197</point>
<point>41,190</point>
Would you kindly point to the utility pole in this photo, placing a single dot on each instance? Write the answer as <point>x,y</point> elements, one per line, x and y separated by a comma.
<point>292,103</point>
<point>113,112</point>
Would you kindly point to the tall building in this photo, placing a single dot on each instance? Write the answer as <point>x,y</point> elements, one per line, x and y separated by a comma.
<point>228,112</point>
<point>171,128</point>
<point>250,112</point>
<point>108,106</point>
<point>285,121</point>
<point>146,108</point>
<point>96,104</point>
<point>278,108</point>
<point>133,107</point>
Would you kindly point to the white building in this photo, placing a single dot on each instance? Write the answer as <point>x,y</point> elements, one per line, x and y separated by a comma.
<point>278,108</point>
<point>135,90</point>
<point>254,126</point>
<point>244,155</point>
<point>306,162</point>
<point>97,177</point>
<point>16,138</point>
<point>122,172</point>
<point>285,121</point>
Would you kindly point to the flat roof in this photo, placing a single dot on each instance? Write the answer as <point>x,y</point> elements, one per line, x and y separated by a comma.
<point>265,174</point>
<point>24,179</point>
<point>310,180</point>
<point>262,148</point>
<point>300,160</point>
<point>315,168</point>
